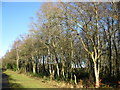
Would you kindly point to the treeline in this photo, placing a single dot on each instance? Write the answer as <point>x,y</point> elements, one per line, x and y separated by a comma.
<point>70,41</point>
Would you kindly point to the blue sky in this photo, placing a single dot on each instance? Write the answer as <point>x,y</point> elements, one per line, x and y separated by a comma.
<point>15,21</point>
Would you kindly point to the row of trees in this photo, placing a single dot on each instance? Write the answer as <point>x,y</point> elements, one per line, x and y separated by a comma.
<point>70,38</point>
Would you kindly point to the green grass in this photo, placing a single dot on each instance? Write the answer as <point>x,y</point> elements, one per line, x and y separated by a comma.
<point>17,80</point>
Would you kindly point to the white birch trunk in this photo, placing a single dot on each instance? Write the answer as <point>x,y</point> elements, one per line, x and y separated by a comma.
<point>96,75</point>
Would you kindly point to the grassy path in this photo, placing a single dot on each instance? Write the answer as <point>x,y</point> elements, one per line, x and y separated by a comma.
<point>17,80</point>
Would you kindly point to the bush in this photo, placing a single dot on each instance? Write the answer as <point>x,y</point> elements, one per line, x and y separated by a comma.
<point>14,67</point>
<point>9,66</point>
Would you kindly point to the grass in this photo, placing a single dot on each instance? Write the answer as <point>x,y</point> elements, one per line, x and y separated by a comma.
<point>17,80</point>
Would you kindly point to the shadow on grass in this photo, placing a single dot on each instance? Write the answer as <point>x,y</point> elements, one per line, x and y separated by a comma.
<point>7,82</point>
<point>14,85</point>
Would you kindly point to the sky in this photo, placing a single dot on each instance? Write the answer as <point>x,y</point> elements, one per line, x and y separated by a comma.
<point>15,21</point>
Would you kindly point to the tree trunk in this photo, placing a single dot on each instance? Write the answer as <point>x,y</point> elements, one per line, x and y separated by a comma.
<point>57,65</point>
<point>118,56</point>
<point>58,73</point>
<point>109,48</point>
<point>18,64</point>
<point>75,79</point>
<point>43,63</point>
<point>34,65</point>
<point>34,68</point>
<point>63,64</point>
<point>96,70</point>
<point>26,66</point>
<point>117,64</point>
<point>52,72</point>
<point>50,69</point>
<point>63,71</point>
<point>17,61</point>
